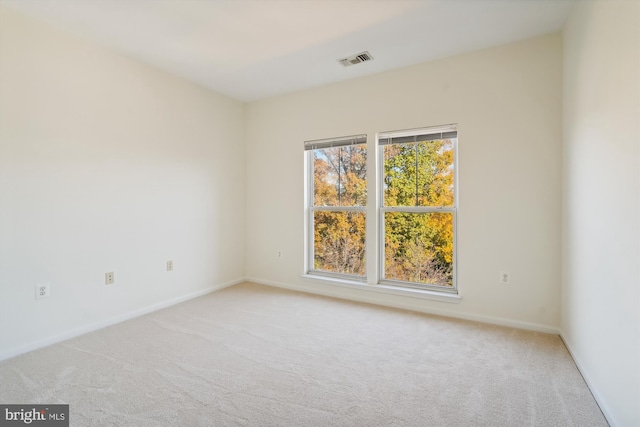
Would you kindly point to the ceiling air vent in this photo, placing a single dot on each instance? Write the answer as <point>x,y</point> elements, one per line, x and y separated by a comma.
<point>355,59</point>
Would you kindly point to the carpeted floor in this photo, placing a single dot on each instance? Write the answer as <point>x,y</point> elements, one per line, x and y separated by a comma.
<point>259,356</point>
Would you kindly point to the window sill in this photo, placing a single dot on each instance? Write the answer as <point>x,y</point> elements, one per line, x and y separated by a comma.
<point>386,289</point>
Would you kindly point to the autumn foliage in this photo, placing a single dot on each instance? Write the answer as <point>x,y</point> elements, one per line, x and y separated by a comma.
<point>419,243</point>
<point>418,233</point>
<point>340,180</point>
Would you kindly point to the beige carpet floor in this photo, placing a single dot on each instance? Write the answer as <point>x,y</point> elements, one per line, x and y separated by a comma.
<point>259,356</point>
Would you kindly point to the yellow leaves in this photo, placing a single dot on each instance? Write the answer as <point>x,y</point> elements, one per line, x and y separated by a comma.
<point>418,245</point>
<point>340,176</point>
<point>339,242</point>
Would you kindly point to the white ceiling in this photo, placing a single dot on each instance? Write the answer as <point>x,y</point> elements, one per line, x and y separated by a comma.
<point>253,49</point>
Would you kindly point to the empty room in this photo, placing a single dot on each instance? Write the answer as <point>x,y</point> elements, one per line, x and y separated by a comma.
<point>320,213</point>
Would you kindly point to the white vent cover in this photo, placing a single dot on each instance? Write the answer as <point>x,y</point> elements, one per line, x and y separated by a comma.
<point>355,59</point>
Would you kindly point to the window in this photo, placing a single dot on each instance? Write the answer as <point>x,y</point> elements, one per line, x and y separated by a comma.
<point>418,208</point>
<point>336,201</point>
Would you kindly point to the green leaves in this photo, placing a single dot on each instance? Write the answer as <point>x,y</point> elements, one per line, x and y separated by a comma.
<point>418,242</point>
<point>419,245</point>
<point>418,174</point>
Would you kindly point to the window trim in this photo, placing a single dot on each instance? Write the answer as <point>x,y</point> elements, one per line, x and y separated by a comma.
<point>375,210</point>
<point>382,209</point>
<point>404,291</point>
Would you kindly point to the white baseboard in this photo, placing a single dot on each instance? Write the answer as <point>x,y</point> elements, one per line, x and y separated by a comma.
<point>7,354</point>
<point>410,304</point>
<point>594,391</point>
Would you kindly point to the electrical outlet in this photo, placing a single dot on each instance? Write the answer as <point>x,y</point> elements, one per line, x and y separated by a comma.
<point>279,254</point>
<point>169,265</point>
<point>108,278</point>
<point>505,278</point>
<point>42,290</point>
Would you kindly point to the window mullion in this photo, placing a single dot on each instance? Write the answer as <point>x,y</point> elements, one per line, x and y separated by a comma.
<point>415,153</point>
<point>339,176</point>
<point>418,209</point>
<point>339,208</point>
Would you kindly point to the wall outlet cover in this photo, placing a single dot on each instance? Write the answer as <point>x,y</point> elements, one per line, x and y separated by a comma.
<point>43,290</point>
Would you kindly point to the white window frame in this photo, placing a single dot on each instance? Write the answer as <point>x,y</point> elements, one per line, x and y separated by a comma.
<point>382,209</point>
<point>310,147</point>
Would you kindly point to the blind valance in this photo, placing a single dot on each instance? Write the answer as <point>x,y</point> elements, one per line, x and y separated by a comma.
<point>335,142</point>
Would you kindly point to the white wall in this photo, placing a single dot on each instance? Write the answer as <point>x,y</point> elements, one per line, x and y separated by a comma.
<point>601,213</point>
<point>507,102</point>
<point>108,165</point>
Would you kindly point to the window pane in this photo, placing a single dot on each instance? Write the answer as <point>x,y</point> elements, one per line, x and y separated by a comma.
<point>400,175</point>
<point>338,242</point>
<point>326,181</point>
<point>419,174</point>
<point>340,176</point>
<point>353,175</point>
<point>435,173</point>
<point>419,247</point>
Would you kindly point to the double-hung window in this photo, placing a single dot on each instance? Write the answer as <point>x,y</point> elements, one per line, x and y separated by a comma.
<point>417,184</point>
<point>336,204</point>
